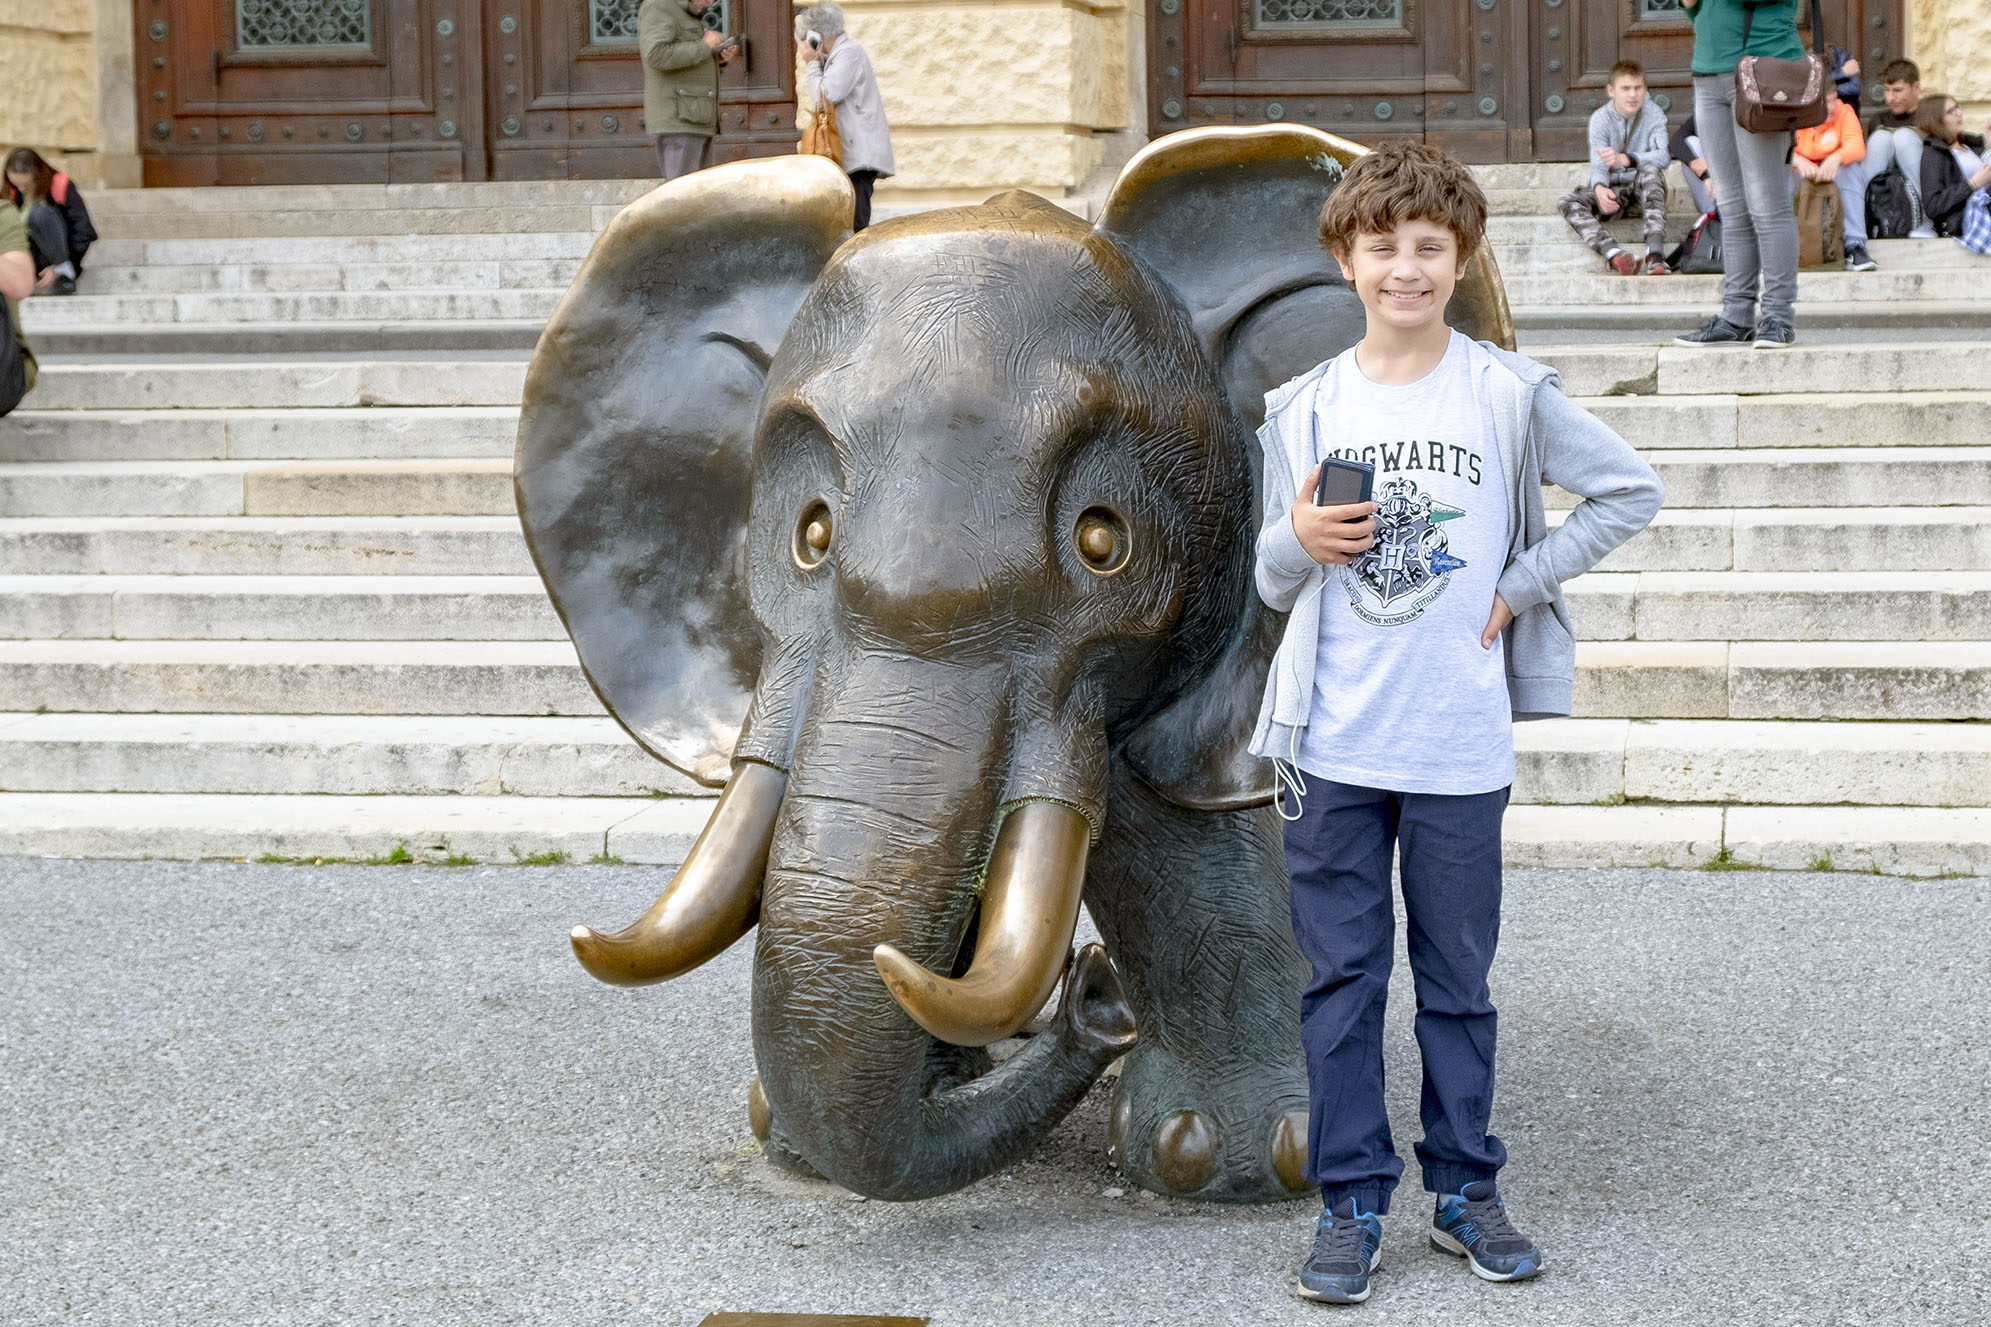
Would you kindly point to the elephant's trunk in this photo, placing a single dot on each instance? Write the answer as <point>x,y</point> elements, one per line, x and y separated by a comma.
<point>709,903</point>
<point>892,814</point>
<point>1036,876</point>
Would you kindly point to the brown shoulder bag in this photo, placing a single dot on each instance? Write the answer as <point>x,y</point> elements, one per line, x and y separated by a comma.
<point>820,137</point>
<point>1777,96</point>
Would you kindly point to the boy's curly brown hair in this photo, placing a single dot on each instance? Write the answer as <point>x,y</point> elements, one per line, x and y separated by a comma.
<point>1403,180</point>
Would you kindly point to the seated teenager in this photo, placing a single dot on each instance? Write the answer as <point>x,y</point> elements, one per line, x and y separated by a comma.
<point>1627,174</point>
<point>1833,153</point>
<point>1953,165</point>
<point>58,224</point>
<point>1893,139</point>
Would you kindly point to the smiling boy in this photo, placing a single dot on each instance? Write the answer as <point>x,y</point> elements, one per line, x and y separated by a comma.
<point>1418,626</point>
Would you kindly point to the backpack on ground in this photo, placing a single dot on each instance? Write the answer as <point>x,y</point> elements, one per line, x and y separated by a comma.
<point>1700,252</point>
<point>1820,219</point>
<point>1890,209</point>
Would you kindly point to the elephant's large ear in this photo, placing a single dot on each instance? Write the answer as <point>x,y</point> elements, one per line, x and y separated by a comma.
<point>635,444</point>
<point>1230,219</point>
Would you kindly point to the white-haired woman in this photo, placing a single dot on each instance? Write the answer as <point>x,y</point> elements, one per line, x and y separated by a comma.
<point>840,74</point>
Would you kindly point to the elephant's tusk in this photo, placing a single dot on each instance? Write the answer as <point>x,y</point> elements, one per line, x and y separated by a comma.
<point>713,899</point>
<point>1029,911</point>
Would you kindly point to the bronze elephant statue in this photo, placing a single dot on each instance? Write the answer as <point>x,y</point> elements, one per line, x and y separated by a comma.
<point>933,546</point>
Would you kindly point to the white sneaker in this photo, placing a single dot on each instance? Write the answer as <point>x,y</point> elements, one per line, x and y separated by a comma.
<point>1922,233</point>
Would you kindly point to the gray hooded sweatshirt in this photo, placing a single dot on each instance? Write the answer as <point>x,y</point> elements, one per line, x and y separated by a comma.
<point>1543,438</point>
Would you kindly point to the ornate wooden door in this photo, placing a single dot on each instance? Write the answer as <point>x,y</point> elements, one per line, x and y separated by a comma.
<point>1359,68</point>
<point>380,91</point>
<point>1575,44</point>
<point>1492,80</point>
<point>564,91</point>
<point>304,91</point>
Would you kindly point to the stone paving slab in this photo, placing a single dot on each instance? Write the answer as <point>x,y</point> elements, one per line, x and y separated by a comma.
<point>388,1096</point>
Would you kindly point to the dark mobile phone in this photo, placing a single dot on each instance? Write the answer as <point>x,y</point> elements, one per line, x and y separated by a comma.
<point>1343,482</point>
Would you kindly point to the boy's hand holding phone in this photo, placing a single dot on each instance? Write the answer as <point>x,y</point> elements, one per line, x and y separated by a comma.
<point>1332,534</point>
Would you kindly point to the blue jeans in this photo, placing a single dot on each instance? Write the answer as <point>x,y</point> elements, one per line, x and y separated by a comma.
<point>1758,230</point>
<point>1338,854</point>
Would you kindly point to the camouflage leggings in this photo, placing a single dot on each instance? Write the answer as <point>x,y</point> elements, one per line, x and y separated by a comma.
<point>1648,200</point>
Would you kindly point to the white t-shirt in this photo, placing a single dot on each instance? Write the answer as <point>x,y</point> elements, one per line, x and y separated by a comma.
<point>1404,697</point>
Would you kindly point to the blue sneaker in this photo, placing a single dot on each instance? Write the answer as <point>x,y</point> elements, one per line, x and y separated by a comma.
<point>1348,1245</point>
<point>1473,1224</point>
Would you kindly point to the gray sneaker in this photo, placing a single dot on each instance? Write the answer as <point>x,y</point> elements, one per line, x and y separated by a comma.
<point>1774,334</point>
<point>1858,259</point>
<point>1716,331</point>
<point>1473,1224</point>
<point>1347,1247</point>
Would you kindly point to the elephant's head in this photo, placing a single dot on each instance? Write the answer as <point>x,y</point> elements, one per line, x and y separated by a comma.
<point>904,538</point>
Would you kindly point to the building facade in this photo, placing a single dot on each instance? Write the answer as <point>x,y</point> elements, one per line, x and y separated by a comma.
<point>1025,93</point>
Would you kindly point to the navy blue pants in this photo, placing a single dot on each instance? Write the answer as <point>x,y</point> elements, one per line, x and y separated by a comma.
<point>1338,853</point>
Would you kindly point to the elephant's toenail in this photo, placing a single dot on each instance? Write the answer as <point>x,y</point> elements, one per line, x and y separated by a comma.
<point>759,1113</point>
<point>1117,1124</point>
<point>1185,1151</point>
<point>1289,1150</point>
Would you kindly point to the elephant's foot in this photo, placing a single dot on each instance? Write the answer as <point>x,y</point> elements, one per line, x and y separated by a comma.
<point>1238,1136</point>
<point>773,1145</point>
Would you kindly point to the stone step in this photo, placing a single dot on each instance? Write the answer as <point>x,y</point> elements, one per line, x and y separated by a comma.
<point>1901,366</point>
<point>1817,539</point>
<point>472,486</point>
<point>437,829</point>
<point>380,432</point>
<point>345,755</point>
<point>294,677</point>
<point>1890,840</point>
<point>1866,419</point>
<point>342,221</point>
<point>296,275</point>
<point>1741,762</point>
<point>1933,539</point>
<point>1819,477</point>
<point>169,607</point>
<point>249,383</point>
<point>385,305</point>
<point>282,199</point>
<point>264,545</point>
<point>462,830</point>
<point>1834,287</point>
<point>1783,680</point>
<point>1812,419</point>
<point>1615,679</point>
<point>436,338</point>
<point>332,250</point>
<point>1782,606</point>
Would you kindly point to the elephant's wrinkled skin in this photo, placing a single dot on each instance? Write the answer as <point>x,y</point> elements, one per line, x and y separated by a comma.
<point>934,544</point>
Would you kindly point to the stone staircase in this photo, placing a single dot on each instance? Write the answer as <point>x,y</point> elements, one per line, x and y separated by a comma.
<point>262,591</point>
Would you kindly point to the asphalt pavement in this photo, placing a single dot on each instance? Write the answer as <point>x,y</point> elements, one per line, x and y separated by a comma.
<point>340,1095</point>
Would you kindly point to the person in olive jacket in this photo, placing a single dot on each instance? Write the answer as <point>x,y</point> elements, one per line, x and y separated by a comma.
<point>681,59</point>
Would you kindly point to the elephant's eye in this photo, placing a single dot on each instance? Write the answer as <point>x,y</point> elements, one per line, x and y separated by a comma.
<point>812,535</point>
<point>1102,540</point>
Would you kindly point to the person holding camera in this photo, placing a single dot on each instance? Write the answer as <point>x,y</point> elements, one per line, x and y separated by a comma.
<point>681,59</point>
<point>840,76</point>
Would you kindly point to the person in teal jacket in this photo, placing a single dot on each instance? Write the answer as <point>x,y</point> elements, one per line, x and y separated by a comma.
<point>1751,175</point>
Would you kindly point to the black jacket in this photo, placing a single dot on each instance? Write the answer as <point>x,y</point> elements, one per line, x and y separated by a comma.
<point>67,199</point>
<point>1944,188</point>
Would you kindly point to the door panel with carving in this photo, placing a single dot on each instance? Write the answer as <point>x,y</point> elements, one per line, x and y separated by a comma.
<point>380,91</point>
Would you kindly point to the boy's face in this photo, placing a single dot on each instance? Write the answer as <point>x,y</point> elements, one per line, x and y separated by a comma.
<point>1902,98</point>
<point>1627,95</point>
<point>1404,277</point>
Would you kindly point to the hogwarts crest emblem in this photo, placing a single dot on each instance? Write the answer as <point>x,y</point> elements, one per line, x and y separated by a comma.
<point>1409,560</point>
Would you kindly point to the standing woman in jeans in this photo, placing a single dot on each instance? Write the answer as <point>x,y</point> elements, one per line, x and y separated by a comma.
<point>840,74</point>
<point>1751,174</point>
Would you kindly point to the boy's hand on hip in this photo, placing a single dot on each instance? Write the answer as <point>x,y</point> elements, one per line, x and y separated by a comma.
<point>1332,534</point>
<point>1496,622</point>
